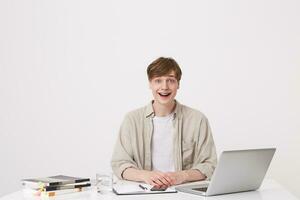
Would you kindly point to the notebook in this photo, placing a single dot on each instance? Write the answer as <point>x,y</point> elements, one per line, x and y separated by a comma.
<point>135,188</point>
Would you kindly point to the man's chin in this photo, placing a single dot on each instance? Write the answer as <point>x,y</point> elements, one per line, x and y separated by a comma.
<point>164,102</point>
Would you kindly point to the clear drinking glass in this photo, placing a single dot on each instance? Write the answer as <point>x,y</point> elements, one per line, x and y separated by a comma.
<point>104,183</point>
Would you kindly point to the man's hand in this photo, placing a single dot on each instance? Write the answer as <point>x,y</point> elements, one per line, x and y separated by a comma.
<point>178,177</point>
<point>162,179</point>
<point>157,178</point>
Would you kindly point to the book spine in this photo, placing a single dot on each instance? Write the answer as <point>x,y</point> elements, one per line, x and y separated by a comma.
<point>64,187</point>
<point>82,180</point>
<point>60,192</point>
<point>68,182</point>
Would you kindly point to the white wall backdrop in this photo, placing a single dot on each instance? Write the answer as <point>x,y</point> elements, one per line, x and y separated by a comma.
<point>71,69</point>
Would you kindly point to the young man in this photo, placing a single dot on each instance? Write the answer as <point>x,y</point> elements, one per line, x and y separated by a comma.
<point>164,143</point>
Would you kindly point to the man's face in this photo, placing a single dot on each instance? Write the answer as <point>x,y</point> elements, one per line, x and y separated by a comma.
<point>164,88</point>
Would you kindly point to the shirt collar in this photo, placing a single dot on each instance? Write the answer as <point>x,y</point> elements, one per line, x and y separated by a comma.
<point>150,112</point>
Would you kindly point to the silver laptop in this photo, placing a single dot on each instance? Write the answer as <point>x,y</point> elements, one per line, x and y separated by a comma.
<point>237,171</point>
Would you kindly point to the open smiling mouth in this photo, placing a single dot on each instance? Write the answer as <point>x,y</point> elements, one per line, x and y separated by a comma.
<point>164,94</point>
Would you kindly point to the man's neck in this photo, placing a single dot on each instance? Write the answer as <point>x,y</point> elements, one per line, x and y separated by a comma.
<point>161,110</point>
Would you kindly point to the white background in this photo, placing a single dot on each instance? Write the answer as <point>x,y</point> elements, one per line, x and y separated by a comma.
<point>70,70</point>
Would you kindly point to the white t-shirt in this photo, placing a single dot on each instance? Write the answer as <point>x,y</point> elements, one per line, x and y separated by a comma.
<point>162,144</point>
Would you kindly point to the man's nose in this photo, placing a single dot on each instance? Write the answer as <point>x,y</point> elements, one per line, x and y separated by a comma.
<point>165,85</point>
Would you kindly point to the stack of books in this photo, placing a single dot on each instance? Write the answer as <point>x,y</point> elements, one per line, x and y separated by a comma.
<point>54,185</point>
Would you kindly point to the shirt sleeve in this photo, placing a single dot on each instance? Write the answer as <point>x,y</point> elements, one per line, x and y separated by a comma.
<point>205,159</point>
<point>122,157</point>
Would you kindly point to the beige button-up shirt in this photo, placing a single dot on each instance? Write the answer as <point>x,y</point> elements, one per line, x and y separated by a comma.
<point>193,144</point>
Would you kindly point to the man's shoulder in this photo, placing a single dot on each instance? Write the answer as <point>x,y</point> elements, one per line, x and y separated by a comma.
<point>137,113</point>
<point>189,112</point>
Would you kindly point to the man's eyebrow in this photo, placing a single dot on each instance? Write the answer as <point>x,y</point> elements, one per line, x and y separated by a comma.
<point>171,75</point>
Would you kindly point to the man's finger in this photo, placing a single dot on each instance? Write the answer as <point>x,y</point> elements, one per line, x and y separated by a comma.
<point>165,182</point>
<point>150,182</point>
<point>157,181</point>
<point>167,179</point>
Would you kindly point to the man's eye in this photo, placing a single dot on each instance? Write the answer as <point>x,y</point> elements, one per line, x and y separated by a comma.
<point>171,80</point>
<point>157,81</point>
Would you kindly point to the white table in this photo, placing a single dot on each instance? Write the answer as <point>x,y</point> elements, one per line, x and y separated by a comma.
<point>270,190</point>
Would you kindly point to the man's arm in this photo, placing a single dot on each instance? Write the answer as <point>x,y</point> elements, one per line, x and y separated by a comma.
<point>193,175</point>
<point>205,159</point>
<point>155,178</point>
<point>122,157</point>
<point>186,176</point>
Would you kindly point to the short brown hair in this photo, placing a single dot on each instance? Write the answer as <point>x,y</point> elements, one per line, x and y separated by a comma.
<point>163,66</point>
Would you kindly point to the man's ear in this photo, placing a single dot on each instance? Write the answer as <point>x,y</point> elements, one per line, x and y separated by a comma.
<point>178,85</point>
